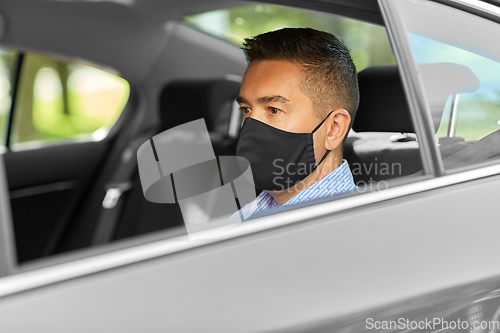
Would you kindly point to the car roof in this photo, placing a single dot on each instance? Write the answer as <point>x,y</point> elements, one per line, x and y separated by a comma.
<point>126,36</point>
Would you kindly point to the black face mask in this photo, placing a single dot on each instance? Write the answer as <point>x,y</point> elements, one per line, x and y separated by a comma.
<point>279,159</point>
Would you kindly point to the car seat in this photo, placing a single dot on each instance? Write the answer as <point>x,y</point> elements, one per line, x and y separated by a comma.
<point>383,144</point>
<point>181,102</point>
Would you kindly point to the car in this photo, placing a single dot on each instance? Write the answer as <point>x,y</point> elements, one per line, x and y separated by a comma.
<point>85,83</point>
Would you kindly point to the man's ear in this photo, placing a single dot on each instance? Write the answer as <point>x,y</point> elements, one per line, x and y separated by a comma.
<point>338,126</point>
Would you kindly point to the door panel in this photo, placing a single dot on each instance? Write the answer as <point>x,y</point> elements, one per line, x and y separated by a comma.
<point>61,112</point>
<point>44,184</point>
<point>313,271</point>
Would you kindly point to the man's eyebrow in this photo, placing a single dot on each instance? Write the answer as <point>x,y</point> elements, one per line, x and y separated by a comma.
<point>241,100</point>
<point>265,99</point>
<point>274,98</point>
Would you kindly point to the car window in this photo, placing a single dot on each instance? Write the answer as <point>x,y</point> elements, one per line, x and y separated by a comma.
<point>368,43</point>
<point>59,100</point>
<point>383,144</point>
<point>468,75</point>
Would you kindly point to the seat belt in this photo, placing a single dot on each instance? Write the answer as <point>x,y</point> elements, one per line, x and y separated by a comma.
<point>121,182</point>
<point>479,151</point>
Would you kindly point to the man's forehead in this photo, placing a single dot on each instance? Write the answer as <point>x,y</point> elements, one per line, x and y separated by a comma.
<point>271,81</point>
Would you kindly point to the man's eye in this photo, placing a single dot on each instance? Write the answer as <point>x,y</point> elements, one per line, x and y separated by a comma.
<point>274,111</point>
<point>245,110</point>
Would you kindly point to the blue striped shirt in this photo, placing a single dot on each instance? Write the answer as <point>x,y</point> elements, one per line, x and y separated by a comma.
<point>338,181</point>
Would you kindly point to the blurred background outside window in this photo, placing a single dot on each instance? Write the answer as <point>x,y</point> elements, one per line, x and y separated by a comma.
<point>478,111</point>
<point>58,100</point>
<point>368,43</point>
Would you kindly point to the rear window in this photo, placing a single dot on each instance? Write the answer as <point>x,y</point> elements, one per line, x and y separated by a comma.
<point>57,100</point>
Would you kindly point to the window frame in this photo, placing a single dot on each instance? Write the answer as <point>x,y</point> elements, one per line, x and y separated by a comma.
<point>415,94</point>
<point>7,246</point>
<point>414,88</point>
<point>14,89</point>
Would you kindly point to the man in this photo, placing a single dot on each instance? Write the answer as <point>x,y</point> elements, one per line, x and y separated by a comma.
<point>298,97</point>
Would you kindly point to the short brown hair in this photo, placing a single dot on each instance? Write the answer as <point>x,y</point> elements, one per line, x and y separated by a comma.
<point>330,77</point>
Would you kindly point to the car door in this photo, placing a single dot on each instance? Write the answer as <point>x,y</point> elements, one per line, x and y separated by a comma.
<point>333,265</point>
<point>57,118</point>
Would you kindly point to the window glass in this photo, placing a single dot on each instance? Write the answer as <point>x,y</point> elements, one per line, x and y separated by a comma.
<point>478,111</point>
<point>58,100</point>
<point>367,43</point>
<point>7,63</point>
<point>459,68</point>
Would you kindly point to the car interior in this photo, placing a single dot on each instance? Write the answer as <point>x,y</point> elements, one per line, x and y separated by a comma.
<point>176,74</point>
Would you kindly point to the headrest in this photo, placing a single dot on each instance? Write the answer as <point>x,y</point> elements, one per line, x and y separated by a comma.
<point>383,106</point>
<point>188,100</point>
<point>382,102</point>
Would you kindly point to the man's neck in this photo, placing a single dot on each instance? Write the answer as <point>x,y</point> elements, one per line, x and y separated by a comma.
<point>331,162</point>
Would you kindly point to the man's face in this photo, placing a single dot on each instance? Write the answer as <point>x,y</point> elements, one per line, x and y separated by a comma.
<point>271,93</point>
